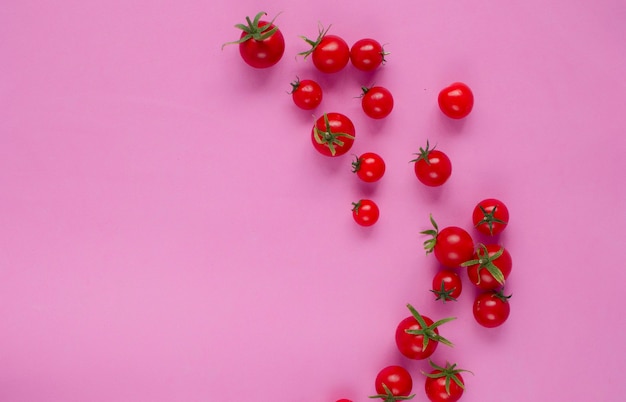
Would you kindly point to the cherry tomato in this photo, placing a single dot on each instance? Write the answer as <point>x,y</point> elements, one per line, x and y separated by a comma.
<point>491,309</point>
<point>367,54</point>
<point>261,43</point>
<point>444,384</point>
<point>447,285</point>
<point>330,53</point>
<point>333,134</point>
<point>432,167</point>
<point>417,336</point>
<point>393,382</point>
<point>369,167</point>
<point>452,245</point>
<point>456,100</point>
<point>344,400</point>
<point>306,94</point>
<point>377,102</point>
<point>489,267</point>
<point>365,212</point>
<point>490,216</point>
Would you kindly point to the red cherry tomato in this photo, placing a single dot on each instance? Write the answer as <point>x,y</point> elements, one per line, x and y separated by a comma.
<point>432,167</point>
<point>490,216</point>
<point>489,267</point>
<point>306,94</point>
<point>367,54</point>
<point>491,309</point>
<point>377,102</point>
<point>365,212</point>
<point>456,100</point>
<point>261,43</point>
<point>444,384</point>
<point>452,245</point>
<point>369,167</point>
<point>417,336</point>
<point>447,285</point>
<point>392,382</point>
<point>333,134</point>
<point>344,400</point>
<point>330,53</point>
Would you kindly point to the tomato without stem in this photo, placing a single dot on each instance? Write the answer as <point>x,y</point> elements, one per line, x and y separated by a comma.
<point>393,383</point>
<point>489,267</point>
<point>451,245</point>
<point>417,336</point>
<point>261,44</point>
<point>330,53</point>
<point>365,212</point>
<point>369,167</point>
<point>367,54</point>
<point>333,134</point>
<point>376,102</point>
<point>447,285</point>
<point>456,100</point>
<point>490,216</point>
<point>306,94</point>
<point>444,384</point>
<point>491,309</point>
<point>432,167</point>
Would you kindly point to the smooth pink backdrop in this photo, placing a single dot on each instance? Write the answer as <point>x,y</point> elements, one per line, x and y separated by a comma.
<point>168,233</point>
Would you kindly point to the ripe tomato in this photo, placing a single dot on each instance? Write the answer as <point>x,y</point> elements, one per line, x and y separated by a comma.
<point>489,267</point>
<point>306,94</point>
<point>367,54</point>
<point>365,212</point>
<point>261,43</point>
<point>447,285</point>
<point>432,167</point>
<point>417,336</point>
<point>369,167</point>
<point>344,400</point>
<point>393,383</point>
<point>330,53</point>
<point>452,245</point>
<point>333,134</point>
<point>490,216</point>
<point>444,384</point>
<point>491,309</point>
<point>456,100</point>
<point>377,102</point>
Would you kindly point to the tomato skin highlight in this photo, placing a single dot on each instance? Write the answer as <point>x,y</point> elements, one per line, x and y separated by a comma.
<point>490,310</point>
<point>306,94</point>
<point>367,54</point>
<point>338,125</point>
<point>263,53</point>
<point>397,379</point>
<point>456,100</point>
<point>331,55</point>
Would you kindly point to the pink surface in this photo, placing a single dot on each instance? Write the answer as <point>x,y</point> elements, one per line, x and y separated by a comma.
<point>168,233</point>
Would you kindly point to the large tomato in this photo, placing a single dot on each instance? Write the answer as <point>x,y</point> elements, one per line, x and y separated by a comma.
<point>417,336</point>
<point>261,43</point>
<point>489,267</point>
<point>333,134</point>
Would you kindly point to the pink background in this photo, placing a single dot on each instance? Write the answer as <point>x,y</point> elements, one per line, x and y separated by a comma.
<point>168,233</point>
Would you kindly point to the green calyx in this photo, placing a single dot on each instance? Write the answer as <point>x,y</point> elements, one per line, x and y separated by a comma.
<point>388,396</point>
<point>429,245</point>
<point>356,206</point>
<point>443,294</point>
<point>489,219</point>
<point>295,85</point>
<point>450,372</point>
<point>356,165</point>
<point>422,155</point>
<point>485,261</point>
<point>428,331</point>
<point>500,295</point>
<point>329,138</point>
<point>254,31</point>
<point>314,43</point>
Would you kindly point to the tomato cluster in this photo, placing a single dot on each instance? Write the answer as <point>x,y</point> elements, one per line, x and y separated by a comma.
<point>488,265</point>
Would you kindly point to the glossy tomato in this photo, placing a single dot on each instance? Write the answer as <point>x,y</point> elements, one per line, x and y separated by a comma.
<point>444,384</point>
<point>367,54</point>
<point>432,167</point>
<point>365,212</point>
<point>417,336</point>
<point>377,102</point>
<point>491,309</point>
<point>489,267</point>
<point>261,43</point>
<point>333,134</point>
<point>447,285</point>
<point>490,216</point>
<point>330,53</point>
<point>393,382</point>
<point>369,167</point>
<point>456,100</point>
<point>451,245</point>
<point>306,94</point>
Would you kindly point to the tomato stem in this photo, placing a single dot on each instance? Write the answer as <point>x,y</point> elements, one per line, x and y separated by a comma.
<point>484,261</point>
<point>329,138</point>
<point>254,31</point>
<point>428,331</point>
<point>314,43</point>
<point>450,372</point>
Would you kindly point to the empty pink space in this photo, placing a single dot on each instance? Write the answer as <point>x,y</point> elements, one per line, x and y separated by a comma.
<point>169,233</point>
